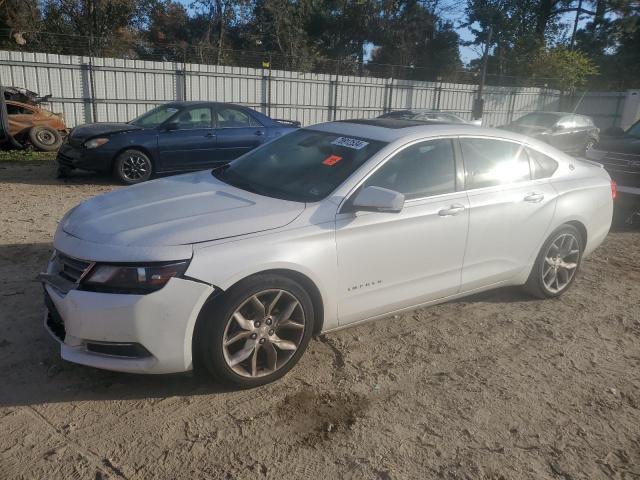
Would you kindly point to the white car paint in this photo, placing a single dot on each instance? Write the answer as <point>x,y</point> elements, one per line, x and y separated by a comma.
<point>364,265</point>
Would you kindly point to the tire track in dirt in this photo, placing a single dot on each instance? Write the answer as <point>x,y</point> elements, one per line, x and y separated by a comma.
<point>103,465</point>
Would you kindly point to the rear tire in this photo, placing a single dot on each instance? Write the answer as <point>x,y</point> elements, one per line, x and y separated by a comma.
<point>557,263</point>
<point>45,139</point>
<point>257,332</point>
<point>132,166</point>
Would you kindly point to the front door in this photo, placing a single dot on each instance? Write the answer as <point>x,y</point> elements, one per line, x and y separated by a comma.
<point>509,212</point>
<point>189,141</point>
<point>389,261</point>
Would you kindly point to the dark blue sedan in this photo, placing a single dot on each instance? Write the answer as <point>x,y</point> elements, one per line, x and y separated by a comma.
<point>175,137</point>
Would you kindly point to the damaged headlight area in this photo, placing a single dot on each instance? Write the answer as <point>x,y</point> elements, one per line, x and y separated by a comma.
<point>133,279</point>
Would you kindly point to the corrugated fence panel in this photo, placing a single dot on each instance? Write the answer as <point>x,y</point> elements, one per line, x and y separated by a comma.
<point>604,107</point>
<point>108,89</point>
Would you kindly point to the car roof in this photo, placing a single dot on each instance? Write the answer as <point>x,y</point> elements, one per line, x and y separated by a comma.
<point>390,130</point>
<point>191,103</point>
<point>558,114</point>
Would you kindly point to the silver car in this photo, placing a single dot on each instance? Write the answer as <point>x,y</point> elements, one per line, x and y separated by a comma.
<point>237,267</point>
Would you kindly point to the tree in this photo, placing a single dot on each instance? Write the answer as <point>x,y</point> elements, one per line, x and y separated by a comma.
<point>216,22</point>
<point>16,18</point>
<point>412,34</point>
<point>564,69</point>
<point>102,27</point>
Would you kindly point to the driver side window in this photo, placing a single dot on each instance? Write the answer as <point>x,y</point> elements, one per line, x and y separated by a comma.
<point>199,117</point>
<point>421,170</point>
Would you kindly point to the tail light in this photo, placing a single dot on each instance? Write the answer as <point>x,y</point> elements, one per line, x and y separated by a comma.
<point>614,190</point>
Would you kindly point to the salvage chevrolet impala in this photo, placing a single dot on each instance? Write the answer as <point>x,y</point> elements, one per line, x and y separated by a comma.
<point>234,269</point>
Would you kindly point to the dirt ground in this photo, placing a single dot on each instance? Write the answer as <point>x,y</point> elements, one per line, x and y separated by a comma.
<point>498,386</point>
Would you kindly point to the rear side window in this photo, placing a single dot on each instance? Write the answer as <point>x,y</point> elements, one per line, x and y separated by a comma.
<point>568,122</point>
<point>542,166</point>
<point>490,162</point>
<point>421,170</point>
<point>229,117</point>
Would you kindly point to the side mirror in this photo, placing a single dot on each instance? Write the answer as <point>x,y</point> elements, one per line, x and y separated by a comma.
<point>377,199</point>
<point>558,127</point>
<point>614,132</point>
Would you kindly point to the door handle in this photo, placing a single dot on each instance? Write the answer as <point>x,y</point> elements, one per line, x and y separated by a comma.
<point>534,197</point>
<point>259,133</point>
<point>210,135</point>
<point>452,210</point>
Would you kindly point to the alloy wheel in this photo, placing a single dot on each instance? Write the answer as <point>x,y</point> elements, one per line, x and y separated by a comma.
<point>263,333</point>
<point>560,262</point>
<point>134,167</point>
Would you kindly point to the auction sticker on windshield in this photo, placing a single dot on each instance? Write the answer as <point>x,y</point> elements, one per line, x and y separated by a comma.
<point>350,143</point>
<point>331,160</point>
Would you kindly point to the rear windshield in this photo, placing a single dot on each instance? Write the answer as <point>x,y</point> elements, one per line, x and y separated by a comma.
<point>538,119</point>
<point>303,166</point>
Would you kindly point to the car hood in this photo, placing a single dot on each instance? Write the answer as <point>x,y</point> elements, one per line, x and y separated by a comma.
<point>626,144</point>
<point>178,210</point>
<point>530,130</point>
<point>90,130</point>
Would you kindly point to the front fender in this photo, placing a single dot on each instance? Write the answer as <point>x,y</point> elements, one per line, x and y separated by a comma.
<point>309,251</point>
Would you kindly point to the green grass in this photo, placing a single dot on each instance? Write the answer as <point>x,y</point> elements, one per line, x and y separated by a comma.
<point>26,156</point>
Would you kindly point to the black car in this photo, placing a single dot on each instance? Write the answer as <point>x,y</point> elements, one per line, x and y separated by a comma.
<point>174,137</point>
<point>569,132</point>
<point>619,152</point>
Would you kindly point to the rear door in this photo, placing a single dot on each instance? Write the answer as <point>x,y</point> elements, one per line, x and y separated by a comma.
<point>509,210</point>
<point>237,132</point>
<point>190,141</point>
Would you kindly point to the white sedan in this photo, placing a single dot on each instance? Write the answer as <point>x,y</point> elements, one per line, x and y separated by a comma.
<point>235,269</point>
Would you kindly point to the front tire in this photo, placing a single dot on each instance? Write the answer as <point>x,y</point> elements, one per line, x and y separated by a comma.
<point>133,166</point>
<point>257,332</point>
<point>557,263</point>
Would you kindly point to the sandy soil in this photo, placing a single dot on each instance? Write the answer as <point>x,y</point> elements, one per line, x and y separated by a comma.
<point>498,386</point>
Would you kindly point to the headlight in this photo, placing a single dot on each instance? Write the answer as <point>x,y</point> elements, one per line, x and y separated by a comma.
<point>95,142</point>
<point>132,279</point>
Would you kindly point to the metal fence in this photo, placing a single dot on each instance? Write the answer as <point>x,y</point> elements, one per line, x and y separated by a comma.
<point>89,89</point>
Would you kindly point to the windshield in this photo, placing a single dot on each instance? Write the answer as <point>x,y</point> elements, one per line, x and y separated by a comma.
<point>538,120</point>
<point>303,166</point>
<point>634,131</point>
<point>155,116</point>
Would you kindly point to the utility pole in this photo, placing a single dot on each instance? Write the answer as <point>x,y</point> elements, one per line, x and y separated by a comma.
<point>478,105</point>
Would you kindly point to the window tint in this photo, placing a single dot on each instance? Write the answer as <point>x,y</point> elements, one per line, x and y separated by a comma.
<point>234,118</point>
<point>568,122</point>
<point>155,116</point>
<point>493,162</point>
<point>303,166</point>
<point>541,165</point>
<point>16,110</point>
<point>539,119</point>
<point>199,117</point>
<point>420,170</point>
